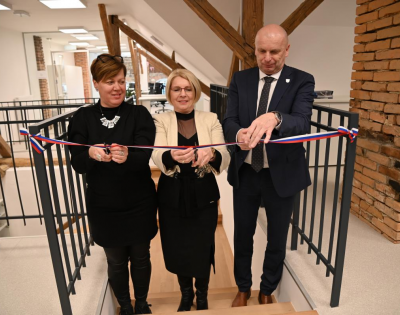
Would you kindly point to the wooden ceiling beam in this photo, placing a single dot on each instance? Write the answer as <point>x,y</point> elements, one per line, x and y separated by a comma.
<point>135,65</point>
<point>300,14</point>
<point>106,28</point>
<point>253,20</point>
<point>154,62</point>
<point>154,50</point>
<point>114,31</point>
<point>221,27</point>
<point>234,64</point>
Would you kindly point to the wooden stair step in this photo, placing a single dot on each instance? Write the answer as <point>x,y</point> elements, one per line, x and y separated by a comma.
<point>216,295</point>
<point>218,307</point>
<point>178,293</point>
<point>302,313</point>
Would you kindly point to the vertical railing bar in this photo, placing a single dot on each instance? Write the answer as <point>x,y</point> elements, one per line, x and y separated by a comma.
<point>15,168</point>
<point>85,191</point>
<point>72,192</point>
<point>65,196</point>
<point>323,199</point>
<point>79,188</point>
<point>305,194</point>
<point>4,201</point>
<point>344,213</point>
<point>315,186</point>
<point>56,201</point>
<point>51,229</point>
<point>33,173</point>
<point>335,196</point>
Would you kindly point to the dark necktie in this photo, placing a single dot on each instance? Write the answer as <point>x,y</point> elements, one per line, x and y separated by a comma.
<point>257,155</point>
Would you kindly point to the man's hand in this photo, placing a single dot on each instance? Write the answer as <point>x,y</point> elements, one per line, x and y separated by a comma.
<point>262,124</point>
<point>241,138</point>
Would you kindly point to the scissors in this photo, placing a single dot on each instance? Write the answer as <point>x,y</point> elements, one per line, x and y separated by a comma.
<point>106,149</point>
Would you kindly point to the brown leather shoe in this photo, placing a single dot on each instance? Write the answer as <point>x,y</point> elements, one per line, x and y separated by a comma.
<point>264,299</point>
<point>241,298</point>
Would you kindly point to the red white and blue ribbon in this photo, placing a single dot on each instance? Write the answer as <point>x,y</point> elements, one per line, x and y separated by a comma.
<point>342,131</point>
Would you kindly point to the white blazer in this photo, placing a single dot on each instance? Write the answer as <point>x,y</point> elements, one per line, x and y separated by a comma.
<point>209,131</point>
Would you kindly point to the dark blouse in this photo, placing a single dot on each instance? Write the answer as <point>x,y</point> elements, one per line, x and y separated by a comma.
<point>187,136</point>
<point>121,198</point>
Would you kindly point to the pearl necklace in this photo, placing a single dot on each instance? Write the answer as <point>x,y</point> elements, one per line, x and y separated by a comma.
<point>109,123</point>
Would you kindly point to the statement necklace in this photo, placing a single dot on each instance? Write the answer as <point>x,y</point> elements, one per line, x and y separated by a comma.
<point>109,123</point>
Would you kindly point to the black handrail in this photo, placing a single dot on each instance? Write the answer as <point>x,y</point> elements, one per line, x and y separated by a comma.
<point>53,196</point>
<point>218,103</point>
<point>22,114</point>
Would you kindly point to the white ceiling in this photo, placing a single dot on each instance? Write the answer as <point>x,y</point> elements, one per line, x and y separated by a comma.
<point>171,21</point>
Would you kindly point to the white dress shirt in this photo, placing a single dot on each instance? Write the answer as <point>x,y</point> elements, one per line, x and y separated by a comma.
<point>271,92</point>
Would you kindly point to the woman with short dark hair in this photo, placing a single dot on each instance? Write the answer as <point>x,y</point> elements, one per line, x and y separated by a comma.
<point>121,196</point>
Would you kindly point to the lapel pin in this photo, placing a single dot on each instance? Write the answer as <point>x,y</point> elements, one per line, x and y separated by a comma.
<point>287,80</point>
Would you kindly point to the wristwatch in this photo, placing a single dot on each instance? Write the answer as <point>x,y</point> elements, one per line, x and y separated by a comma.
<point>278,117</point>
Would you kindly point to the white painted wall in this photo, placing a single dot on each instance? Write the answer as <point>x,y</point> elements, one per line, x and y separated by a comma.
<point>13,79</point>
<point>326,52</point>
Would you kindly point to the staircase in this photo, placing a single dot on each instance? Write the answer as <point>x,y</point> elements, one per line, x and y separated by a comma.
<point>219,302</point>
<point>219,299</point>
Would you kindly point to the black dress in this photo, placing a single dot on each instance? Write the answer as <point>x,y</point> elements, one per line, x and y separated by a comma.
<point>121,198</point>
<point>187,231</point>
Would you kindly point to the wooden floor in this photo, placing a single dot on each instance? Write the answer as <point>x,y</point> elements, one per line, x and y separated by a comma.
<point>164,281</point>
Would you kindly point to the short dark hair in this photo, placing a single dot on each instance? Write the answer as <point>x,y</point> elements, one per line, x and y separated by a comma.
<point>106,66</point>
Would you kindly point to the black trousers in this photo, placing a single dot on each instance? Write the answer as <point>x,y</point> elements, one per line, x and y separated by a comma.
<point>246,202</point>
<point>118,272</point>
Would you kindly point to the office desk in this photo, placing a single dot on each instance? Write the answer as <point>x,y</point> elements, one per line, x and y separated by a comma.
<point>146,99</point>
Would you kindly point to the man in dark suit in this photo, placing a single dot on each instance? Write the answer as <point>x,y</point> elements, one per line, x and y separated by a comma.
<point>270,101</point>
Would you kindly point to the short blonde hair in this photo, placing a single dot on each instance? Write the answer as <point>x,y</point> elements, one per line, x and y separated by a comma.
<point>187,75</point>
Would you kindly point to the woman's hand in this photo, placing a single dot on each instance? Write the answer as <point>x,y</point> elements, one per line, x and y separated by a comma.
<point>118,153</point>
<point>203,157</point>
<point>183,156</point>
<point>98,154</point>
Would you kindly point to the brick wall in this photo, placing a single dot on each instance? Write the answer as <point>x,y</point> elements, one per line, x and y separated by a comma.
<point>375,96</point>
<point>41,66</point>
<point>81,60</point>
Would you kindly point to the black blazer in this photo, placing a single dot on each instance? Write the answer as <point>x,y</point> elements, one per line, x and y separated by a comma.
<point>293,98</point>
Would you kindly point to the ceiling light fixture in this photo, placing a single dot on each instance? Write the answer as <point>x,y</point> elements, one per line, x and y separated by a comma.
<point>5,6</point>
<point>79,43</point>
<point>64,4</point>
<point>102,47</point>
<point>21,13</point>
<point>85,37</point>
<point>72,29</point>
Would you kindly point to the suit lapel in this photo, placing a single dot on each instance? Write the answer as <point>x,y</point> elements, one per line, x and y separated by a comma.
<point>281,86</point>
<point>252,88</point>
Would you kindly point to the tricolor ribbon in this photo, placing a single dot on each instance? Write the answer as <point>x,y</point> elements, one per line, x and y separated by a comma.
<point>342,131</point>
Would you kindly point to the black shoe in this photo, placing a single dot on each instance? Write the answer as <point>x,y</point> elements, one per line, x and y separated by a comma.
<point>186,300</point>
<point>142,308</point>
<point>126,310</point>
<point>201,285</point>
<point>201,300</point>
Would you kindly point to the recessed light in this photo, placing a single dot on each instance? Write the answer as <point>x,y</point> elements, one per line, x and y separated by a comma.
<point>72,29</point>
<point>5,5</point>
<point>105,49</point>
<point>21,13</point>
<point>102,47</point>
<point>64,4</point>
<point>85,37</point>
<point>79,43</point>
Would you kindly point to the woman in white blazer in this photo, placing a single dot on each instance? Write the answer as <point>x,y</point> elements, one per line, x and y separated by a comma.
<point>187,190</point>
